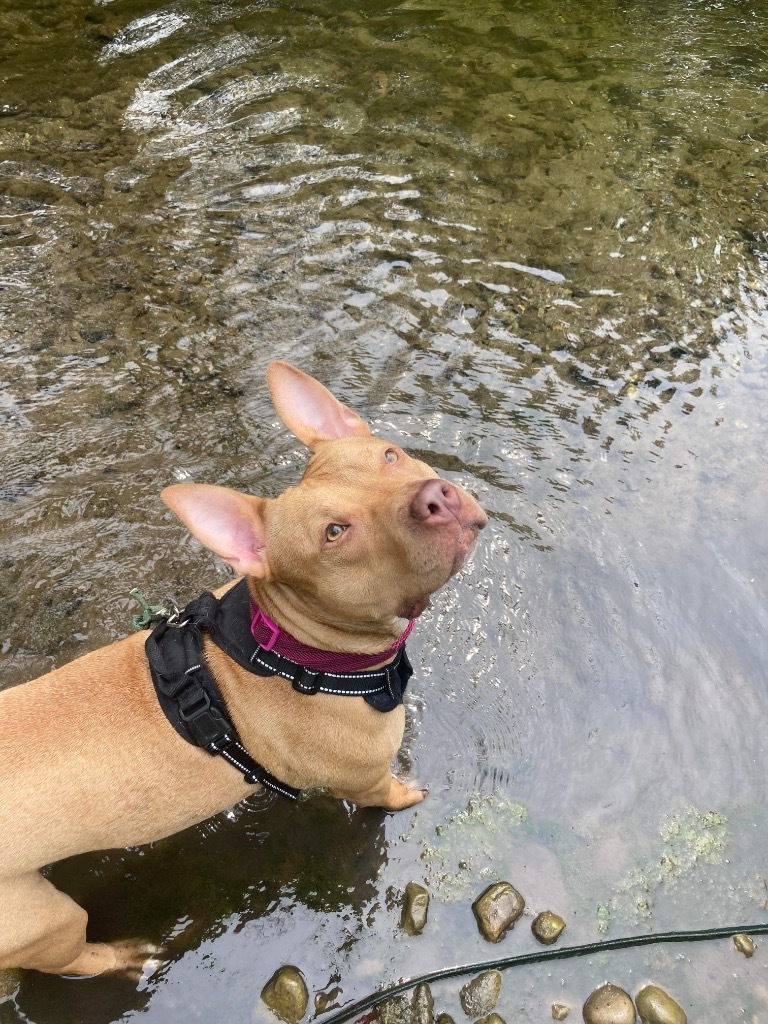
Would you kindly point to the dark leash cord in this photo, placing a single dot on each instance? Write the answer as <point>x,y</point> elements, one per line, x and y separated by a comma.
<point>539,957</point>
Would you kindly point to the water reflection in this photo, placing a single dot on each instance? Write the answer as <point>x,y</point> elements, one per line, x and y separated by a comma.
<point>527,240</point>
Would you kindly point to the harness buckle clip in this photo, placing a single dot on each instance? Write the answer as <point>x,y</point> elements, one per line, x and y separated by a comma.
<point>306,681</point>
<point>205,723</point>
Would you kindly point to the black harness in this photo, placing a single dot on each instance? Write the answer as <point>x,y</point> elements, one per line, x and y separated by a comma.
<point>192,702</point>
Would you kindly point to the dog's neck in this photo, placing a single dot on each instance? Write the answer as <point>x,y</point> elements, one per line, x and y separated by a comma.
<point>297,617</point>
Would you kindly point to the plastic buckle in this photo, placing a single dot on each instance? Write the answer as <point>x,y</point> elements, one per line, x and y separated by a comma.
<point>204,721</point>
<point>260,619</point>
<point>306,681</point>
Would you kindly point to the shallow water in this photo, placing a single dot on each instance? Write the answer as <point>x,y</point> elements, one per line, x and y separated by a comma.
<point>527,240</point>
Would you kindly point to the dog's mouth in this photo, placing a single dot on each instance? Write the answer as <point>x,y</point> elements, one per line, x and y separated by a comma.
<point>413,609</point>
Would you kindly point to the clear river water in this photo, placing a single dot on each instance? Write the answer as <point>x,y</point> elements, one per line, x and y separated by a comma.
<point>526,239</point>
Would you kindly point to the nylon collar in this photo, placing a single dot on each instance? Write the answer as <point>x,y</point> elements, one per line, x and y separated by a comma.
<point>228,623</point>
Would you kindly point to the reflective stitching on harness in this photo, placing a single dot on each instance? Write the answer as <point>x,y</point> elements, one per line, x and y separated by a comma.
<point>325,689</point>
<point>352,693</point>
<point>193,704</point>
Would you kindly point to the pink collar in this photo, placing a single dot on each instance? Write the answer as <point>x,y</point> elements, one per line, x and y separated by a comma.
<point>269,636</point>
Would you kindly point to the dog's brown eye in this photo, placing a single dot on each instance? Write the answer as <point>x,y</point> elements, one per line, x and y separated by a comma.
<point>390,455</point>
<point>334,531</point>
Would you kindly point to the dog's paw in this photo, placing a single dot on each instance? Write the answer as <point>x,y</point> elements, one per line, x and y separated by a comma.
<point>402,795</point>
<point>133,959</point>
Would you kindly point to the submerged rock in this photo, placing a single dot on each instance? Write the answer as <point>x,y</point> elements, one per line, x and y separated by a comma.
<point>481,994</point>
<point>609,1004</point>
<point>496,910</point>
<point>445,1018</point>
<point>286,994</point>
<point>422,1005</point>
<point>655,1006</point>
<point>395,1011</point>
<point>491,1018</point>
<point>547,927</point>
<point>560,1011</point>
<point>415,907</point>
<point>744,944</point>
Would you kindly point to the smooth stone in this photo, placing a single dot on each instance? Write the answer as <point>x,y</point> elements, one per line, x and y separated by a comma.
<point>395,1011</point>
<point>496,910</point>
<point>286,994</point>
<point>491,1018</point>
<point>547,927</point>
<point>609,1004</point>
<point>744,944</point>
<point>422,1005</point>
<point>655,1006</point>
<point>415,907</point>
<point>481,994</point>
<point>560,1011</point>
<point>445,1018</point>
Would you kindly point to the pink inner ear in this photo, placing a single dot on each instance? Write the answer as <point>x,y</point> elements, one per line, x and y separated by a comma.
<point>228,523</point>
<point>308,409</point>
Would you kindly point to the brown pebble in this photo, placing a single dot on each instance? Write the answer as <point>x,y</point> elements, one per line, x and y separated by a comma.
<point>422,1005</point>
<point>609,1004</point>
<point>547,927</point>
<point>286,994</point>
<point>415,908</point>
<point>496,909</point>
<point>744,944</point>
<point>655,1006</point>
<point>560,1011</point>
<point>481,994</point>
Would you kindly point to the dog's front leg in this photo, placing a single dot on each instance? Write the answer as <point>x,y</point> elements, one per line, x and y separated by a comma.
<point>390,793</point>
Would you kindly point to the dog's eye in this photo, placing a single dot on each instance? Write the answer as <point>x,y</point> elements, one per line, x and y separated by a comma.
<point>390,455</point>
<point>334,532</point>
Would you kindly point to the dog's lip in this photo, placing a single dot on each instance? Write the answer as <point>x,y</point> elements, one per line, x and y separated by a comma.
<point>413,609</point>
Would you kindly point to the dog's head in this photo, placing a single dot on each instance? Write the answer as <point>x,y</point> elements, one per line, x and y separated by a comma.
<point>361,541</point>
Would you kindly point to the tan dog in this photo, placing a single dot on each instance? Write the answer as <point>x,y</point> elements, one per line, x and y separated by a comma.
<point>341,561</point>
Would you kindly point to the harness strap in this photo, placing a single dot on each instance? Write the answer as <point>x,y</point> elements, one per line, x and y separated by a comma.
<point>192,701</point>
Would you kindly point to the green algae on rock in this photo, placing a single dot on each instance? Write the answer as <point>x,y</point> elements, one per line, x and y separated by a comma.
<point>496,909</point>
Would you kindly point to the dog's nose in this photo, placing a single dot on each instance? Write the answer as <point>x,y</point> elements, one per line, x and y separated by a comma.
<point>436,502</point>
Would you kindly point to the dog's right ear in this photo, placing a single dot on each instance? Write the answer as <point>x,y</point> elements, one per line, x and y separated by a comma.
<point>308,409</point>
<point>227,522</point>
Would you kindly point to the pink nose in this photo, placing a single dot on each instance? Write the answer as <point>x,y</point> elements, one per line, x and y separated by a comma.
<point>437,502</point>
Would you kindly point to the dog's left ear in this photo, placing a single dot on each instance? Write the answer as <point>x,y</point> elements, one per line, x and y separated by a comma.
<point>227,522</point>
<point>308,409</point>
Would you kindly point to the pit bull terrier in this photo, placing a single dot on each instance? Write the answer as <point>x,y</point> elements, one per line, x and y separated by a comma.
<point>115,749</point>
